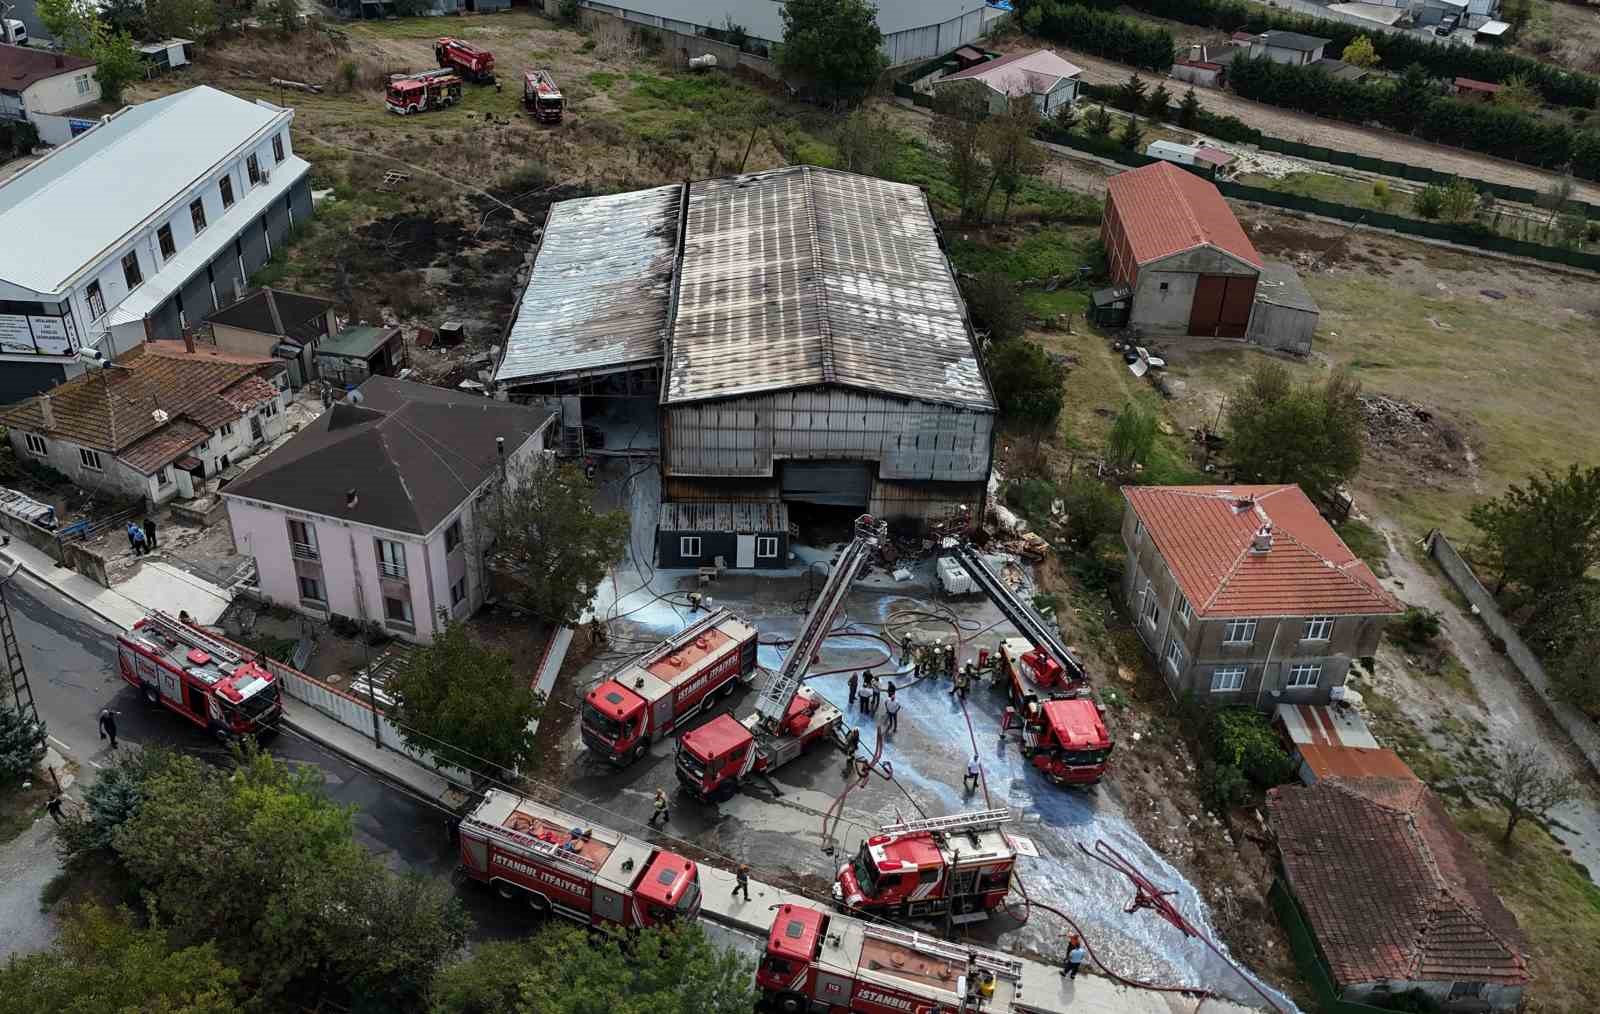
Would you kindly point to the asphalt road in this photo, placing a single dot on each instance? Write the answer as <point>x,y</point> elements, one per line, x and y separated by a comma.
<point>70,655</point>
<point>27,12</point>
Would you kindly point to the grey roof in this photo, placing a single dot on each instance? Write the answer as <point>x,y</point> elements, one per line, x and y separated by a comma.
<point>719,516</point>
<point>1280,285</point>
<point>763,19</point>
<point>86,195</point>
<point>356,342</point>
<point>600,288</point>
<point>275,311</point>
<point>1292,40</point>
<point>805,276</point>
<point>412,452</point>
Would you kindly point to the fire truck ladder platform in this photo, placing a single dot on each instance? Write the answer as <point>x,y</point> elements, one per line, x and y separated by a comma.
<point>504,836</point>
<point>185,634</point>
<point>1002,966</point>
<point>684,637</point>
<point>775,699</point>
<point>954,822</point>
<point>1022,615</point>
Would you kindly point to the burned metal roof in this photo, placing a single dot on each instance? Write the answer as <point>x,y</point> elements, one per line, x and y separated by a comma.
<point>805,276</point>
<point>602,281</point>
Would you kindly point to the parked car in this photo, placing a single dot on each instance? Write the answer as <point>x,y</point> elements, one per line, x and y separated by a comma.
<point>1448,25</point>
<point>13,31</point>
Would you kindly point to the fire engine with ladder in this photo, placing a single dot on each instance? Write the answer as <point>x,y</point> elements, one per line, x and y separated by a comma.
<point>541,96</point>
<point>657,692</point>
<point>424,90</point>
<point>218,686</point>
<point>1063,731</point>
<point>958,866</point>
<point>817,961</point>
<point>594,876</point>
<point>715,757</point>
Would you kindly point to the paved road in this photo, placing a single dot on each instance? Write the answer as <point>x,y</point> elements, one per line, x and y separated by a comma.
<point>27,12</point>
<point>70,655</point>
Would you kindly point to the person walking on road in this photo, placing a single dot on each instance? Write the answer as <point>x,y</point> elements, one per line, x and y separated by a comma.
<point>850,684</point>
<point>150,534</point>
<point>661,812</point>
<point>970,782</point>
<point>741,881</point>
<point>54,806</point>
<point>108,726</point>
<point>892,710</point>
<point>1076,953</point>
<point>869,693</point>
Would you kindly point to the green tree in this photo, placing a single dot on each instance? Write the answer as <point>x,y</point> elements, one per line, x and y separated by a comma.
<point>995,305</point>
<point>1360,52</point>
<point>1130,93</point>
<point>1093,510</point>
<point>959,130</point>
<point>1189,109</point>
<point>1008,147</point>
<point>1130,135</point>
<point>101,962</point>
<point>835,43</point>
<point>1460,201</point>
<point>76,25</point>
<point>440,697</point>
<point>191,19</point>
<point>1098,122</point>
<point>1429,201</point>
<point>112,799</point>
<point>21,745</point>
<point>547,534</point>
<point>1133,434</point>
<point>1310,435</point>
<point>1066,117</point>
<point>565,970</point>
<point>867,144</point>
<point>1024,379</point>
<point>1544,535</point>
<point>1157,104</point>
<point>1575,675</point>
<point>1517,92</point>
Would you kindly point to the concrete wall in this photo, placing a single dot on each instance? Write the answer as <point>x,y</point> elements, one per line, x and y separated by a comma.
<point>62,92</point>
<point>1585,734</point>
<point>1205,77</point>
<point>114,477</point>
<point>1166,312</point>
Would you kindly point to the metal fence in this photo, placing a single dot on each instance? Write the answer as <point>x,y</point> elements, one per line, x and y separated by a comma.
<point>1308,959</point>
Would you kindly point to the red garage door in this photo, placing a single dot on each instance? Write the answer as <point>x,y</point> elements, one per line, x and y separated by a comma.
<point>1221,307</point>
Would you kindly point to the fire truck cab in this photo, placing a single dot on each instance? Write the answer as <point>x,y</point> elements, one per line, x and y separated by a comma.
<point>1066,739</point>
<point>820,962</point>
<point>714,758</point>
<point>218,686</point>
<point>558,863</point>
<point>415,93</point>
<point>655,693</point>
<point>961,864</point>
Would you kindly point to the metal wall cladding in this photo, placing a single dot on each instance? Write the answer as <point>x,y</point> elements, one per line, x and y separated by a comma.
<point>909,439</point>
<point>922,501</point>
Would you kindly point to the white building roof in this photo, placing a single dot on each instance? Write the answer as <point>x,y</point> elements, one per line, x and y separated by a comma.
<point>763,19</point>
<point>86,196</point>
<point>1034,73</point>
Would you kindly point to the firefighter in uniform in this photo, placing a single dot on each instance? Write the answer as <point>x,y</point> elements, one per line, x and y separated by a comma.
<point>660,812</point>
<point>950,661</point>
<point>963,680</point>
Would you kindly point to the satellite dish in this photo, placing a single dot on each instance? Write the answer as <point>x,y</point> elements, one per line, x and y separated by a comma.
<point>160,415</point>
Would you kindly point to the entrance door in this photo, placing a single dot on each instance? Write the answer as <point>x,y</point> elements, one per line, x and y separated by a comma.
<point>1221,307</point>
<point>746,556</point>
<point>255,428</point>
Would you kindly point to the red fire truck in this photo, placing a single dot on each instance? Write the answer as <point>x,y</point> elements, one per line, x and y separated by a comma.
<point>790,717</point>
<point>961,864</point>
<point>218,686</point>
<point>816,961</point>
<point>558,863</point>
<point>428,89</point>
<point>655,693</point>
<point>1063,735</point>
<point>541,96</point>
<point>464,58</point>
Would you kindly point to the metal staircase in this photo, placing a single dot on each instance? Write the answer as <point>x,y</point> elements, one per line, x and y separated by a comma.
<point>973,820</point>
<point>779,693</point>
<point>1021,614</point>
<point>1002,966</point>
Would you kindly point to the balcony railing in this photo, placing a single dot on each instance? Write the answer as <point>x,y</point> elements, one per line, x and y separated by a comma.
<point>304,551</point>
<point>395,570</point>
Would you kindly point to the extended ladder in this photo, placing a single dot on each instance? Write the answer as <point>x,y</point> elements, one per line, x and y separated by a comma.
<point>775,699</point>
<point>954,822</point>
<point>1002,966</point>
<point>1022,615</point>
<point>17,675</point>
<point>185,634</point>
<point>516,840</point>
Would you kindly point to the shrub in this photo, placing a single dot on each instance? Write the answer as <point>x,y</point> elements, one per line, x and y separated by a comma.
<point>1429,201</point>
<point>1093,509</point>
<point>1132,435</point>
<point>1416,629</point>
<point>1242,737</point>
<point>1100,568</point>
<point>995,305</point>
<point>1031,497</point>
<point>1229,787</point>
<point>349,74</point>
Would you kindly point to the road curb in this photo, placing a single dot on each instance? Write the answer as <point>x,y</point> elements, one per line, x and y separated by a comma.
<point>42,579</point>
<point>385,776</point>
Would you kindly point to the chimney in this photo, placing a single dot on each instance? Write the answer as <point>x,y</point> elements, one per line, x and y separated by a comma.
<point>188,341</point>
<point>48,412</point>
<point>350,499</point>
<point>1262,543</point>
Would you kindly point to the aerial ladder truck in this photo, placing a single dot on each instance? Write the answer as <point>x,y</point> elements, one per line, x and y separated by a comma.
<point>714,758</point>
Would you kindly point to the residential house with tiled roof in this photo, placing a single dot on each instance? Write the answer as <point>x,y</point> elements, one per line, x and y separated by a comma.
<point>1394,895</point>
<point>1042,75</point>
<point>155,422</point>
<point>1246,594</point>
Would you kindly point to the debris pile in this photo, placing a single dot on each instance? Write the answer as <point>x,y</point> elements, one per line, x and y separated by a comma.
<point>1427,444</point>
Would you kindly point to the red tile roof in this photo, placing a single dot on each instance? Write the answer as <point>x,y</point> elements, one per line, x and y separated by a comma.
<point>1165,210</point>
<point>1390,887</point>
<point>22,66</point>
<point>1477,86</point>
<point>1206,533</point>
<point>164,446</point>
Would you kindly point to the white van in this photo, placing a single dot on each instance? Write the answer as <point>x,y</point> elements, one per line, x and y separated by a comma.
<point>13,31</point>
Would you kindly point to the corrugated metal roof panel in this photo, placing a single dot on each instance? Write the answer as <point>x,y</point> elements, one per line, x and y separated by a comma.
<point>806,276</point>
<point>710,516</point>
<point>600,288</point>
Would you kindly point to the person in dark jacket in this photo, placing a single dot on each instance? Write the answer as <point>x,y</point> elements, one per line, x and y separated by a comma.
<point>150,534</point>
<point>108,726</point>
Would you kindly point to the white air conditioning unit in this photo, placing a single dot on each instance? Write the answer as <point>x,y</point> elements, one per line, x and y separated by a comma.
<point>266,176</point>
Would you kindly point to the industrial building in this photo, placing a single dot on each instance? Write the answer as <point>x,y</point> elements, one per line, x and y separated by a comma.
<point>790,337</point>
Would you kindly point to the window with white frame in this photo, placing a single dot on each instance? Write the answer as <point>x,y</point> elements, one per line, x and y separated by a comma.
<point>252,169</point>
<point>1175,655</point>
<point>303,540</point>
<point>97,301</point>
<point>1227,677</point>
<point>163,476</point>
<point>689,547</point>
<point>36,444</point>
<point>1152,608</point>
<point>90,459</point>
<point>1304,675</point>
<point>1239,632</point>
<point>766,547</point>
<point>82,83</point>
<point>1185,614</point>
<point>1319,628</point>
<point>269,409</point>
<point>391,558</point>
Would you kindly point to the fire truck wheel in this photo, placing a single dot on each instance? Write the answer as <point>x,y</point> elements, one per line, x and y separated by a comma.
<point>539,903</point>
<point>222,735</point>
<point>505,890</point>
<point>728,688</point>
<point>790,1003</point>
<point>638,753</point>
<point>151,695</point>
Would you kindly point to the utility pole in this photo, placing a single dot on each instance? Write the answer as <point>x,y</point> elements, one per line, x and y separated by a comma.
<point>16,673</point>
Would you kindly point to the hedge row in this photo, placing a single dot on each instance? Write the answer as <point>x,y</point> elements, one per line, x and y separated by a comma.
<point>1113,36</point>
<point>1223,128</point>
<point>1413,104</point>
<point>1396,50</point>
